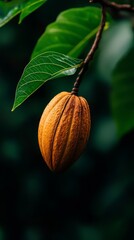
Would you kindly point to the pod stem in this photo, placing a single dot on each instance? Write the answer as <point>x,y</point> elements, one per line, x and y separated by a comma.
<point>91,53</point>
<point>104,4</point>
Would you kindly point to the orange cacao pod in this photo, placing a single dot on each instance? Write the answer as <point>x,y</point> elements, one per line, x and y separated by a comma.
<point>63,130</point>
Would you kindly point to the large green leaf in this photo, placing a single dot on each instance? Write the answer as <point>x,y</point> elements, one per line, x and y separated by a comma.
<point>71,31</point>
<point>123,94</point>
<point>45,66</point>
<point>9,10</point>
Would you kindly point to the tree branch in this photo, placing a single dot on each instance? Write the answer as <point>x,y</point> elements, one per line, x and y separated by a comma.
<point>114,5</point>
<point>91,53</point>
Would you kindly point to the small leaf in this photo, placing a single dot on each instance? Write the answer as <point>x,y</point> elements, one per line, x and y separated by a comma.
<point>123,94</point>
<point>44,67</point>
<point>9,10</point>
<point>30,7</point>
<point>72,31</point>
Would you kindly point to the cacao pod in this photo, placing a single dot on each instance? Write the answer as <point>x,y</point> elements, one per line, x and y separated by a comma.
<point>63,130</point>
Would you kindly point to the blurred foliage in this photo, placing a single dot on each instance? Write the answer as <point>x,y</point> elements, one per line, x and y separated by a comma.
<point>94,199</point>
<point>9,9</point>
<point>122,94</point>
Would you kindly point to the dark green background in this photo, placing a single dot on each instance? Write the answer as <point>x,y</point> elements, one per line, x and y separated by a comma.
<point>93,200</point>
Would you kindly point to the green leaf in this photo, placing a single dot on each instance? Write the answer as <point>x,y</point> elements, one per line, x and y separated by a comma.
<point>123,94</point>
<point>9,10</point>
<point>44,67</point>
<point>72,31</point>
<point>30,7</point>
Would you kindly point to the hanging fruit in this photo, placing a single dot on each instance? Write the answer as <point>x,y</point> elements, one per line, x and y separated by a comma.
<point>64,130</point>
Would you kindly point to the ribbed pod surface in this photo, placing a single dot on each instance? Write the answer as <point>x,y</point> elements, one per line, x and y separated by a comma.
<point>63,130</point>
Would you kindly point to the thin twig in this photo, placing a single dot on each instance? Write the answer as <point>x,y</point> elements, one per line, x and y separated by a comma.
<point>114,5</point>
<point>91,52</point>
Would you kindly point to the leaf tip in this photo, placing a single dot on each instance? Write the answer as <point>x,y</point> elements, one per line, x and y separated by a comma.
<point>20,20</point>
<point>12,109</point>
